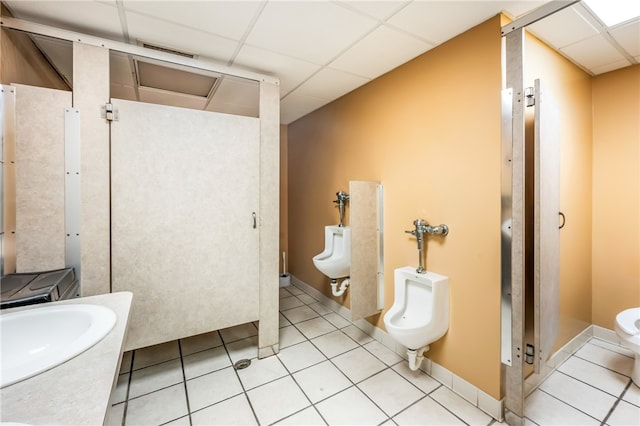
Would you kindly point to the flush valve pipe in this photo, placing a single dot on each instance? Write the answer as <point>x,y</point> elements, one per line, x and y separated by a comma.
<point>343,197</point>
<point>421,228</point>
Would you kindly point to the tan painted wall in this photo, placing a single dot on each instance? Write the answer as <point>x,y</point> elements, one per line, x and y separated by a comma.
<point>616,194</point>
<point>284,205</point>
<point>430,132</point>
<point>572,90</point>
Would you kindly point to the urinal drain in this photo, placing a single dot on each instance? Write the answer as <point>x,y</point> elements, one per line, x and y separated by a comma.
<point>242,364</point>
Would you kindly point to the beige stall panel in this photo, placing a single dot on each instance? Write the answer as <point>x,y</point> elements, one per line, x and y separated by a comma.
<point>184,192</point>
<point>364,218</point>
<point>40,240</point>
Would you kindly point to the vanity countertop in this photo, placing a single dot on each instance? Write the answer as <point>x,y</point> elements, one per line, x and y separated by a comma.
<point>78,391</point>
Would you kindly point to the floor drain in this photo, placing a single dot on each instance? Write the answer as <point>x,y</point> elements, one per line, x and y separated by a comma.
<point>243,363</point>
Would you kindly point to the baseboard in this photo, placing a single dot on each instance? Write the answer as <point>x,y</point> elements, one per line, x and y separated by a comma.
<point>471,393</point>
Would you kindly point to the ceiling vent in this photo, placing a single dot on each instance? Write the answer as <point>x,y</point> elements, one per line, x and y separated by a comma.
<point>167,50</point>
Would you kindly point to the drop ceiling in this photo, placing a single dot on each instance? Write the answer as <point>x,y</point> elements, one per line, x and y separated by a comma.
<point>320,50</point>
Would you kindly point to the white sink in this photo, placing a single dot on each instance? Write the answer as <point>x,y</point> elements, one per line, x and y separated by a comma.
<point>36,340</point>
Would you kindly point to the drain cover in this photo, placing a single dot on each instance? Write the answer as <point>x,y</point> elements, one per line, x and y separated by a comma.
<point>243,363</point>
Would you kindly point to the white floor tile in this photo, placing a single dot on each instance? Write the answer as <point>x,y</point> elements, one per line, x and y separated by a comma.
<point>390,391</point>
<point>624,414</point>
<point>306,299</point>
<point>156,354</point>
<point>205,362</point>
<point>300,356</point>
<point>358,335</point>
<point>632,395</point>
<point>606,358</point>
<point>119,394</point>
<point>115,415</point>
<point>233,411</point>
<point>125,365</point>
<point>200,342</point>
<point>238,332</point>
<point>155,377</point>
<point>277,400</point>
<point>158,407</point>
<point>301,313</point>
<point>289,336</point>
<point>243,349</point>
<point>350,407</point>
<point>295,290</point>
<point>307,417</point>
<point>358,364</point>
<point>212,388</point>
<point>337,320</point>
<point>385,354</point>
<point>320,308</point>
<point>595,375</point>
<point>321,381</point>
<point>284,292</point>
<point>261,371</point>
<point>283,322</point>
<point>579,395</point>
<point>460,407</point>
<point>315,327</point>
<point>182,421</point>
<point>422,381</point>
<point>290,303</point>
<point>334,343</point>
<point>612,347</point>
<point>546,410</point>
<point>426,412</point>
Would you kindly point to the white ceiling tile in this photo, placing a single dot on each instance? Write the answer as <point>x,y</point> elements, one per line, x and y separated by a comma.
<point>290,71</point>
<point>439,21</point>
<point>593,52</point>
<point>330,84</point>
<point>295,106</point>
<point>162,97</point>
<point>313,31</point>
<point>169,35</point>
<point>517,8</point>
<point>628,36</point>
<point>377,9</point>
<point>224,18</point>
<point>235,91</point>
<point>610,67</point>
<point>89,17</point>
<point>367,59</point>
<point>563,28</point>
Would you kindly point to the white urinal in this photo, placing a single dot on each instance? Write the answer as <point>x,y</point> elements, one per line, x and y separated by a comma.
<point>420,312</point>
<point>335,260</point>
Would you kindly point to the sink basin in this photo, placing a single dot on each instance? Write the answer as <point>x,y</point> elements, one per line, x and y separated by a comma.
<point>35,340</point>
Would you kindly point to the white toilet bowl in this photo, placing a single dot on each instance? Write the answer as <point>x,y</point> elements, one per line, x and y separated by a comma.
<point>420,312</point>
<point>628,329</point>
<point>335,260</point>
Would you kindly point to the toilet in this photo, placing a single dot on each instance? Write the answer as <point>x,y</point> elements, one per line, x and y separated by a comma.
<point>420,312</point>
<point>335,259</point>
<point>627,328</point>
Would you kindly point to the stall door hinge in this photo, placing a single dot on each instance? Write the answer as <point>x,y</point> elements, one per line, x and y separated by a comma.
<point>529,354</point>
<point>109,112</point>
<point>529,93</point>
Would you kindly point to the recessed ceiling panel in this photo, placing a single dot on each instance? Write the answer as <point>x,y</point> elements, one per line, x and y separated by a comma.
<point>593,52</point>
<point>366,57</point>
<point>173,80</point>
<point>224,18</point>
<point>178,37</point>
<point>563,28</point>
<point>238,92</point>
<point>313,31</point>
<point>290,71</point>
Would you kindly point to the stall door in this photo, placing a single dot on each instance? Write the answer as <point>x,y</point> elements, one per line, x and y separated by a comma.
<point>546,236</point>
<point>184,219</point>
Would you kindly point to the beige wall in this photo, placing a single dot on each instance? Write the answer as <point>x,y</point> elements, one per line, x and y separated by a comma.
<point>616,194</point>
<point>430,132</point>
<point>284,204</point>
<point>571,88</point>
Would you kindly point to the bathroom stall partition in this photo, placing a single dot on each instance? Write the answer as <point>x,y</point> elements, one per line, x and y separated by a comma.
<point>184,211</point>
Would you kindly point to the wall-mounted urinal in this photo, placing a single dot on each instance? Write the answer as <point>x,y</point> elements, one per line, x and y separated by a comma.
<point>335,260</point>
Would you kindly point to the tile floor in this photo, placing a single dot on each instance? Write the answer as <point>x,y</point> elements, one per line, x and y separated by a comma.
<point>330,372</point>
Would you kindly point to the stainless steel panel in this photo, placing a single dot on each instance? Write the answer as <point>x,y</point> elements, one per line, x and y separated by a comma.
<point>547,234</point>
<point>505,228</point>
<point>72,199</point>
